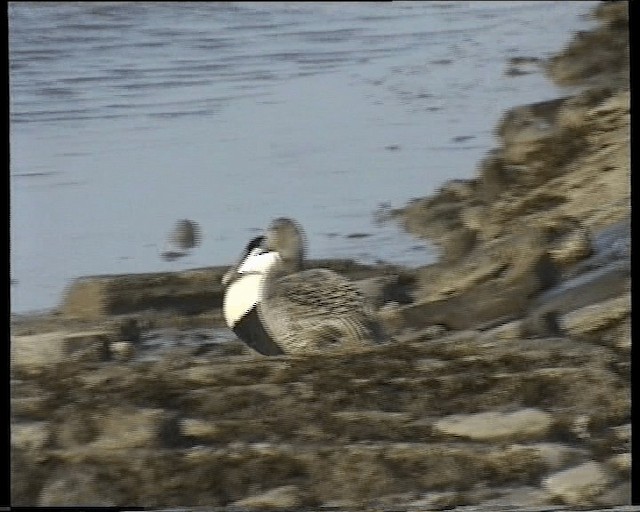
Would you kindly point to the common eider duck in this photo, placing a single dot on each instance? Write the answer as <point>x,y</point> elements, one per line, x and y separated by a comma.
<point>276,307</point>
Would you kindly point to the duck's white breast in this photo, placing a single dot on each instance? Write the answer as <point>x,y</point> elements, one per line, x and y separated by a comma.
<point>245,291</point>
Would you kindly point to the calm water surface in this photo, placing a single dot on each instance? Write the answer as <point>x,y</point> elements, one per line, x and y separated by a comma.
<point>128,116</point>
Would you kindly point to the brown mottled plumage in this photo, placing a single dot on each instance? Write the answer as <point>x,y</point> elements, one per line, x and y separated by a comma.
<point>309,310</point>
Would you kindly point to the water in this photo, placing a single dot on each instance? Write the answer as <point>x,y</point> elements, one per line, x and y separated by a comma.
<point>128,116</point>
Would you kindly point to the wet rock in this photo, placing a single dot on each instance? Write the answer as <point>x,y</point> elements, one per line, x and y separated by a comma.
<point>30,407</point>
<point>77,486</point>
<point>128,329</point>
<point>31,353</point>
<point>524,496</point>
<point>200,429</point>
<point>555,456</point>
<point>489,426</point>
<point>617,495</point>
<point>458,245</point>
<point>609,245</point>
<point>581,291</point>
<point>29,401</point>
<point>186,293</point>
<point>484,291</point>
<point>579,485</point>
<point>74,427</point>
<point>437,500</point>
<point>620,463</point>
<point>286,497</point>
<point>502,332</point>
<point>122,350</point>
<point>543,324</point>
<point>32,436</point>
<point>597,56</point>
<point>599,316</point>
<point>189,292</point>
<point>569,241</point>
<point>127,428</point>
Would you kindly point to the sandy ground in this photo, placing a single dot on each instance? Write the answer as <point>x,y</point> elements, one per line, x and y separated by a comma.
<point>504,383</point>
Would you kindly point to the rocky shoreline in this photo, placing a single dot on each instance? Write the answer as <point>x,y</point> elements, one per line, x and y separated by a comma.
<point>505,382</point>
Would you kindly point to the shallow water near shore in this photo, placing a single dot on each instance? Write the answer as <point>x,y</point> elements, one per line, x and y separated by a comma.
<point>126,117</point>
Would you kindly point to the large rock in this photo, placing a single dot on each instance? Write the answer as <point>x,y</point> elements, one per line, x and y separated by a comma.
<point>189,292</point>
<point>285,497</point>
<point>75,486</point>
<point>31,437</point>
<point>128,428</point>
<point>579,485</point>
<point>492,426</point>
<point>31,353</point>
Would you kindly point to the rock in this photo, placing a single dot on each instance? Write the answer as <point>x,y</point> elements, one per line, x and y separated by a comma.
<point>31,353</point>
<point>458,245</point>
<point>503,332</point>
<point>77,486</point>
<point>622,433</point>
<point>578,485</point>
<point>612,243</point>
<point>570,241</point>
<point>32,436</point>
<point>618,495</point>
<point>127,428</point>
<point>128,329</point>
<point>620,463</point>
<point>122,350</point>
<point>436,501</point>
<point>491,426</point>
<point>555,456</point>
<point>597,56</point>
<point>597,316</point>
<point>30,407</point>
<point>34,351</point>
<point>29,401</point>
<point>190,292</point>
<point>285,497</point>
<point>524,496</point>
<point>542,324</point>
<point>200,429</point>
<point>577,293</point>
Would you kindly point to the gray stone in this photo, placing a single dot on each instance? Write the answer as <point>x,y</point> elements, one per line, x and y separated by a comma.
<point>597,316</point>
<point>126,428</point>
<point>31,353</point>
<point>76,486</point>
<point>490,426</point>
<point>555,456</point>
<point>32,436</point>
<point>285,497</point>
<point>579,485</point>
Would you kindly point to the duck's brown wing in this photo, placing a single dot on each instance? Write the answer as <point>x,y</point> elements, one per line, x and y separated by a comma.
<point>315,309</point>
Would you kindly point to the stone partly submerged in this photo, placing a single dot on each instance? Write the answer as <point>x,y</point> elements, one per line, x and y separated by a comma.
<point>505,384</point>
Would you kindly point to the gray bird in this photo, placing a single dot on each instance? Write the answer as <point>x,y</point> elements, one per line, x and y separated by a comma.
<point>294,310</point>
<point>186,234</point>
